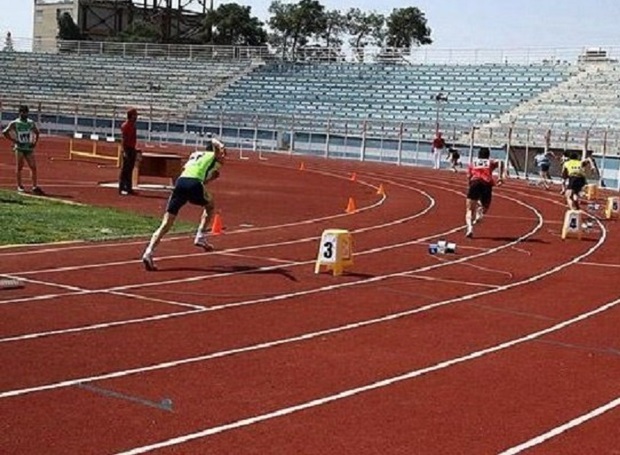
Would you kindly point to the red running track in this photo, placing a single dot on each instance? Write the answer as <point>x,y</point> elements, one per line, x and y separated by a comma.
<point>508,346</point>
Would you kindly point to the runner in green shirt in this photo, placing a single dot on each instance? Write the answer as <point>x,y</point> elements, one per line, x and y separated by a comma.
<point>24,134</point>
<point>200,168</point>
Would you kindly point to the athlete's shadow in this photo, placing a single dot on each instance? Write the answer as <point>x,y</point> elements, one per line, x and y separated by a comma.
<point>247,269</point>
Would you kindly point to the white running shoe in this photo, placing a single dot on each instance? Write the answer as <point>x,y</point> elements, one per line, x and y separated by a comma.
<point>147,260</point>
<point>479,215</point>
<point>469,232</point>
<point>201,242</point>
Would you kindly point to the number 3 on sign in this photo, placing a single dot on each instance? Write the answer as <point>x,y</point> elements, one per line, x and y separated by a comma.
<point>573,222</point>
<point>328,248</point>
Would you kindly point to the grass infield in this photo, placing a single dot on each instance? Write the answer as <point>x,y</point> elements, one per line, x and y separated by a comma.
<point>28,220</point>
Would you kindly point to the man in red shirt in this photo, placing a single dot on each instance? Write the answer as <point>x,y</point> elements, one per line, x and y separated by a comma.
<point>480,192</point>
<point>439,145</point>
<point>129,136</point>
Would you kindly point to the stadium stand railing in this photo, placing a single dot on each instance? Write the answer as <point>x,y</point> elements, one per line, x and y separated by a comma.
<point>384,108</point>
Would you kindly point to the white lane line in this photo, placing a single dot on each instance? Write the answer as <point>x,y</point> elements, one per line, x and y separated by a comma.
<point>227,305</point>
<point>388,382</point>
<point>113,243</point>
<point>307,336</point>
<point>600,264</point>
<point>103,325</point>
<point>286,296</point>
<point>157,300</point>
<point>235,250</point>
<point>562,428</point>
<point>441,280</point>
<point>231,250</point>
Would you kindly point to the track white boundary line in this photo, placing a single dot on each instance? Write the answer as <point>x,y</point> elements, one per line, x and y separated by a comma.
<point>307,336</point>
<point>239,249</point>
<point>374,386</point>
<point>174,237</point>
<point>600,264</point>
<point>228,251</point>
<point>441,280</point>
<point>562,428</point>
<point>272,299</point>
<point>102,325</point>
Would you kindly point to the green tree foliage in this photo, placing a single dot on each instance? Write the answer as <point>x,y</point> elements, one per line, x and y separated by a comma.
<point>335,27</point>
<point>295,24</point>
<point>406,27</point>
<point>365,28</point>
<point>68,29</point>
<point>329,42</point>
<point>232,24</point>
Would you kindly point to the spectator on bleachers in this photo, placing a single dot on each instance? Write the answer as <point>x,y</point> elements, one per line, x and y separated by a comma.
<point>129,136</point>
<point>24,134</point>
<point>439,145</point>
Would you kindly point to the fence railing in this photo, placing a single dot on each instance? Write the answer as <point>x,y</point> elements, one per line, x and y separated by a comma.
<point>368,54</point>
<point>402,143</point>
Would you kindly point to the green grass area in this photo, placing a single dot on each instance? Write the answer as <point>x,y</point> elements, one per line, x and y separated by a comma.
<point>25,219</point>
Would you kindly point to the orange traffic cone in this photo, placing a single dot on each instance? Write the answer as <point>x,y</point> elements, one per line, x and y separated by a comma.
<point>381,190</point>
<point>216,226</point>
<point>353,177</point>
<point>351,206</point>
<point>302,167</point>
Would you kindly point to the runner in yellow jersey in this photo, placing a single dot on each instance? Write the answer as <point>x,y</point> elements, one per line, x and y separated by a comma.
<point>574,172</point>
<point>200,168</point>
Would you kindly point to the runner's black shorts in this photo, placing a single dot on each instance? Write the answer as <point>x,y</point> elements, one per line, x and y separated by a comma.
<point>576,184</point>
<point>482,191</point>
<point>186,190</point>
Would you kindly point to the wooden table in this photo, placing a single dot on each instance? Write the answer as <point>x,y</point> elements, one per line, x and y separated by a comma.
<point>157,165</point>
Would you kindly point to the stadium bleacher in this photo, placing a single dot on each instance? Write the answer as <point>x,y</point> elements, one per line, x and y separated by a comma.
<point>284,103</point>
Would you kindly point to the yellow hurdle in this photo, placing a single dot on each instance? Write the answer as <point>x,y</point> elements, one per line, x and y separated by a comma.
<point>335,251</point>
<point>572,227</point>
<point>114,151</point>
<point>591,191</point>
<point>612,209</point>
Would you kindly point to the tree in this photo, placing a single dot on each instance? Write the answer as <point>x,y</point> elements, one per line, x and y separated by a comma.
<point>365,29</point>
<point>328,42</point>
<point>335,27</point>
<point>231,24</point>
<point>67,28</point>
<point>8,43</point>
<point>295,24</point>
<point>406,27</point>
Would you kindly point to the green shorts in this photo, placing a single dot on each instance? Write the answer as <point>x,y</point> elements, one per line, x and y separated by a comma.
<point>24,151</point>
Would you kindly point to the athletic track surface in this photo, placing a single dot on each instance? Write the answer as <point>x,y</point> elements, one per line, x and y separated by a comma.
<point>509,346</point>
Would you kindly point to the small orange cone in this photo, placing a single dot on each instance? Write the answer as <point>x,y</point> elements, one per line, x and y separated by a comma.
<point>353,177</point>
<point>302,167</point>
<point>216,226</point>
<point>381,190</point>
<point>351,206</point>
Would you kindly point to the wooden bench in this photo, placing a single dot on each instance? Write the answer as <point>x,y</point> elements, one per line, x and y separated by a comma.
<point>157,165</point>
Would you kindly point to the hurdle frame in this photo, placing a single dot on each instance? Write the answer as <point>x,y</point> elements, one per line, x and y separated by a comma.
<point>92,154</point>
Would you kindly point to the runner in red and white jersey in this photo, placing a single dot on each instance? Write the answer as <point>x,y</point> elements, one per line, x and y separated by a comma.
<point>480,192</point>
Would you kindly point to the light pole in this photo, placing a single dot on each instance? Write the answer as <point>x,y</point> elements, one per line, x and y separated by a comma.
<point>440,100</point>
<point>152,88</point>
